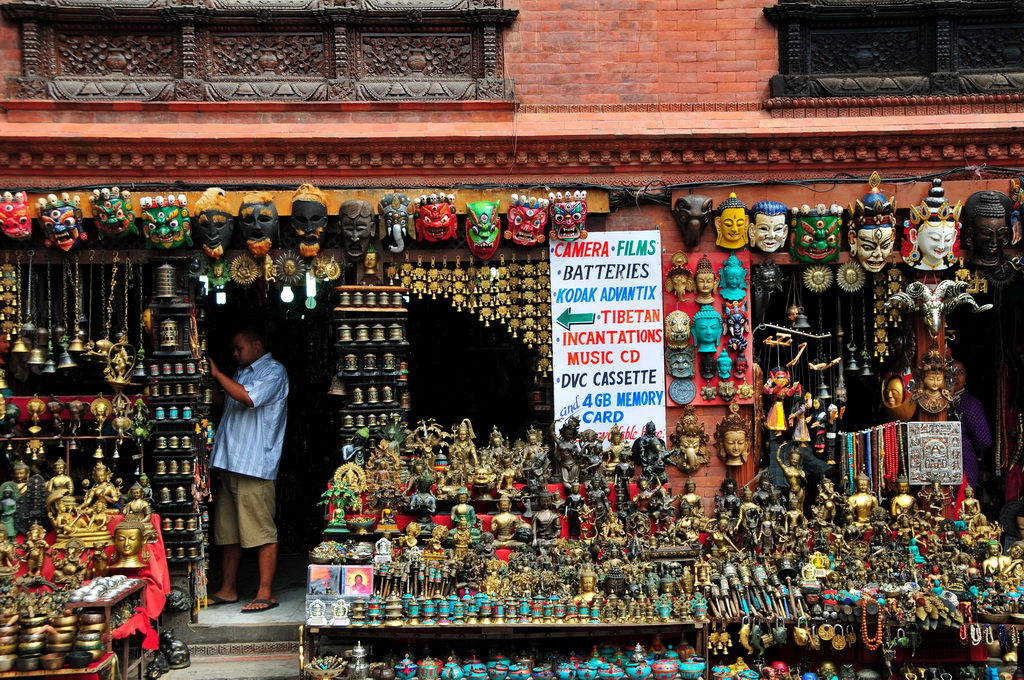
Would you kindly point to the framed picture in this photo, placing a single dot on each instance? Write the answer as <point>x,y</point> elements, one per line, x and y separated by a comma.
<point>324,580</point>
<point>357,580</point>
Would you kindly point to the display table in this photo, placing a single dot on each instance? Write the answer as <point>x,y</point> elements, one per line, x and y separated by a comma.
<point>92,670</point>
<point>124,643</point>
<point>311,638</point>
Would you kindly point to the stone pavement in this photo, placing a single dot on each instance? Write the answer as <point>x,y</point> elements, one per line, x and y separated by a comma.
<point>270,667</point>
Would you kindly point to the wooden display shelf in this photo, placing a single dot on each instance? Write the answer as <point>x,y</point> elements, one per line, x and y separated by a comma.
<point>92,669</point>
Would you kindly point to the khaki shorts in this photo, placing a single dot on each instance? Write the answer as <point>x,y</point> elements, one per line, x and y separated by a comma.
<point>244,511</point>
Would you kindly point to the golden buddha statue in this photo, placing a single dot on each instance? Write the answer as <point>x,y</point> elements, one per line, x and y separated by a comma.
<point>504,524</point>
<point>588,586</point>
<point>862,502</point>
<point>130,544</point>
<point>903,501</point>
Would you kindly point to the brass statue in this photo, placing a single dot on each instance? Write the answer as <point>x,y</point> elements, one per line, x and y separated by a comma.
<point>903,502</point>
<point>862,502</point>
<point>732,436</point>
<point>690,452</point>
<point>130,544</point>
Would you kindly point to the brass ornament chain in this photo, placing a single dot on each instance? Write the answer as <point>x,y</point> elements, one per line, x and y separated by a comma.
<point>514,294</point>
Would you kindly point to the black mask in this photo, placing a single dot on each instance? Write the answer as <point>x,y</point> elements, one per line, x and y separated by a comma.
<point>308,220</point>
<point>215,229</point>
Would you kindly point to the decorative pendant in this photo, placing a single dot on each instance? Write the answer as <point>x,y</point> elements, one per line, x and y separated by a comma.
<point>850,277</point>
<point>244,270</point>
<point>818,278</point>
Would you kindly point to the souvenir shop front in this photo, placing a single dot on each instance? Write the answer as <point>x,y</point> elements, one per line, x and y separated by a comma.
<point>737,431</point>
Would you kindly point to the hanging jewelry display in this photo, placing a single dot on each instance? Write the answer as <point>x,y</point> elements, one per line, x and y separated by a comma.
<point>244,270</point>
<point>514,294</point>
<point>850,277</point>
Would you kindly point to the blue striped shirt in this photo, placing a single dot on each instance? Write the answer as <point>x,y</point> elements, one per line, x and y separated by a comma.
<point>249,440</point>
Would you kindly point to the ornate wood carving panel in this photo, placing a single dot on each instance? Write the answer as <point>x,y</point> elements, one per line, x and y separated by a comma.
<point>849,48</point>
<point>281,50</point>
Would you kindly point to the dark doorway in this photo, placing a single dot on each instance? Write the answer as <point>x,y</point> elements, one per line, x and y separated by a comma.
<point>460,367</point>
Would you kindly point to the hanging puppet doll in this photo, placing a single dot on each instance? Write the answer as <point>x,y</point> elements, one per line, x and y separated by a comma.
<point>779,388</point>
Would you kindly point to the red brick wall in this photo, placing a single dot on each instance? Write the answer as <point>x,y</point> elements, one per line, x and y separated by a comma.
<point>644,51</point>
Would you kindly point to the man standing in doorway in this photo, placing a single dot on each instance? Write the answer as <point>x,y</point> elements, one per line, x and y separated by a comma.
<point>247,453</point>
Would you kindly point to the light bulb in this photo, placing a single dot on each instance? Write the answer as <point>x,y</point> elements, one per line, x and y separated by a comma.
<point>287,295</point>
<point>310,285</point>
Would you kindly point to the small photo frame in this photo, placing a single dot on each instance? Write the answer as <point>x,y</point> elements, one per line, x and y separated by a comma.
<point>324,580</point>
<point>357,580</point>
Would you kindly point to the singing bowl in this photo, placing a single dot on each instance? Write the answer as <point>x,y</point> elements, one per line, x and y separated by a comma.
<point>79,659</point>
<point>92,617</point>
<point>53,661</point>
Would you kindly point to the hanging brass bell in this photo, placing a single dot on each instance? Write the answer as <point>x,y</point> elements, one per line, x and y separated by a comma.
<point>37,357</point>
<point>50,367</point>
<point>76,346</point>
<point>66,361</point>
<point>800,322</point>
<point>852,366</point>
<point>20,346</point>
<point>823,392</point>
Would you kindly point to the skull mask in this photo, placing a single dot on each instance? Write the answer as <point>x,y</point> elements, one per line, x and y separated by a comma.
<point>259,222</point>
<point>435,217</point>
<point>15,219</point>
<point>62,221</point>
<point>309,217</point>
<point>113,212</point>
<point>814,234</point>
<point>693,215</point>
<point>356,228</point>
<point>165,221</point>
<point>568,215</point>
<point>216,222</point>
<point>527,218</point>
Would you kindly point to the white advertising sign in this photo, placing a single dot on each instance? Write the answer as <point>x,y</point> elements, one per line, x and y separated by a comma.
<point>607,331</point>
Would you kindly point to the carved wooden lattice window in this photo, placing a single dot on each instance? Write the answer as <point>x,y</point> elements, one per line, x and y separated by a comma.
<point>836,48</point>
<point>281,50</point>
